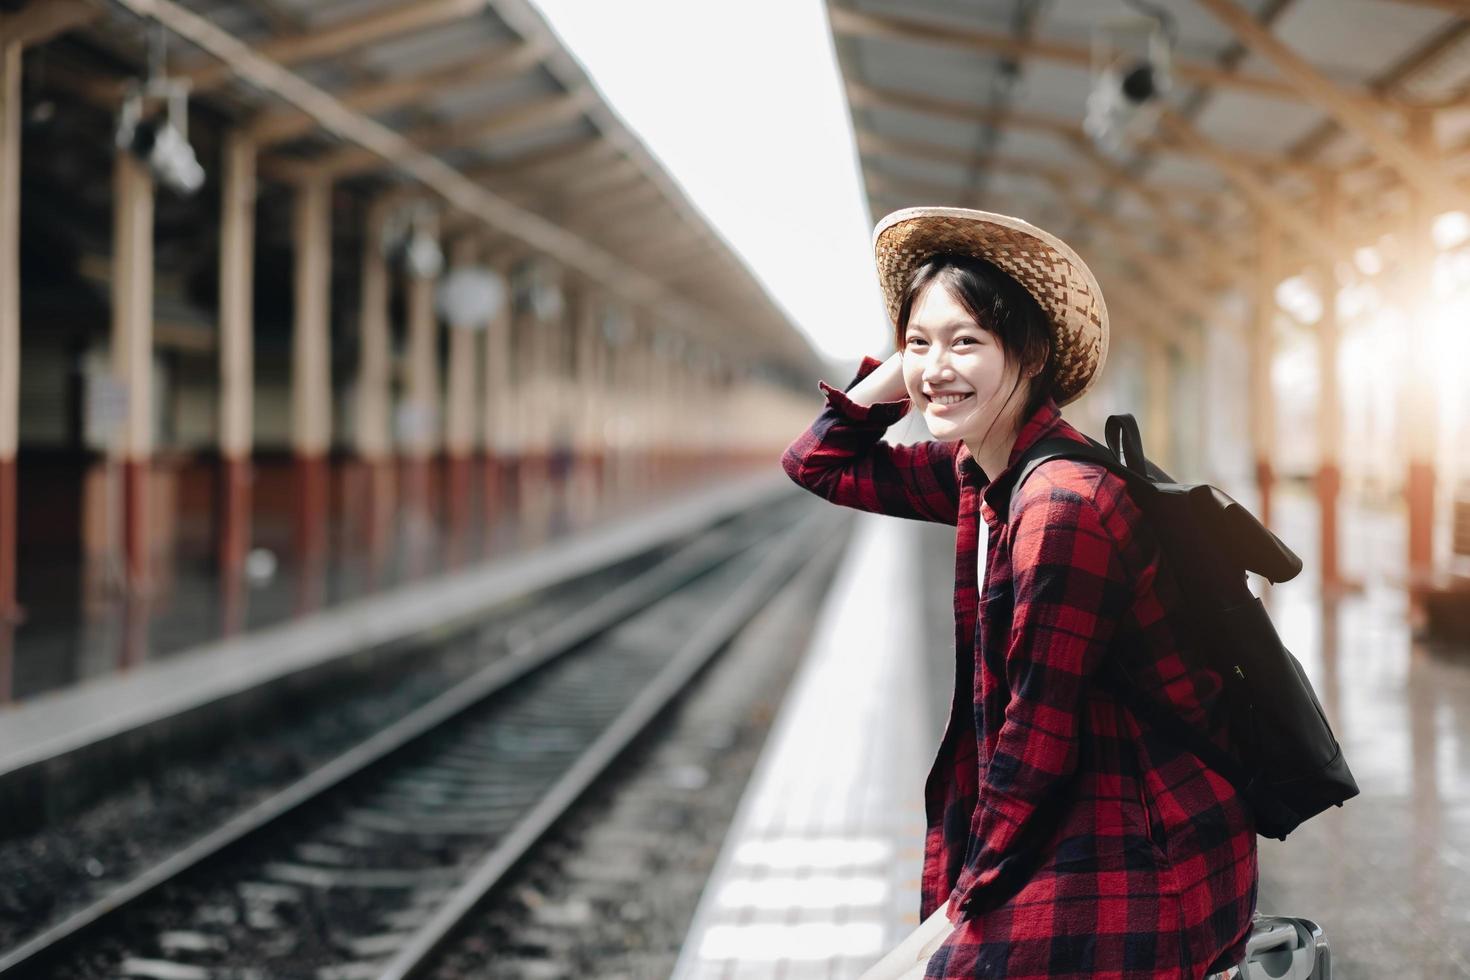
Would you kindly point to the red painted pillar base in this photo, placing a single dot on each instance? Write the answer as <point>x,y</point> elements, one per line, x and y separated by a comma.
<point>380,506</point>
<point>1265,481</point>
<point>310,538</point>
<point>10,612</point>
<point>232,533</point>
<point>458,479</point>
<point>9,603</point>
<point>135,526</point>
<point>1420,493</point>
<point>1329,485</point>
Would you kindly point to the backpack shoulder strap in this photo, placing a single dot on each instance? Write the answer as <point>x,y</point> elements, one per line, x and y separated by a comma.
<point>1049,449</point>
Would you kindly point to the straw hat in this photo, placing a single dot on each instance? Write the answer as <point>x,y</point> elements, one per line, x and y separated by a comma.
<point>1059,280</point>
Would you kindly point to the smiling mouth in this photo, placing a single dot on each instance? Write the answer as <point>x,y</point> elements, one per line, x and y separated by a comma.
<point>949,401</point>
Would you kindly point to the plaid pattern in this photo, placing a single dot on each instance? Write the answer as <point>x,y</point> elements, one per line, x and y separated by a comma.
<point>1068,839</point>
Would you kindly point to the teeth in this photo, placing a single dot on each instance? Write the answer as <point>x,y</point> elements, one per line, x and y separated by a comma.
<point>948,399</point>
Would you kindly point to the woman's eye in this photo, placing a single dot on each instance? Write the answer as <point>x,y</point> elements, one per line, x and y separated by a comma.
<point>915,341</point>
<point>966,340</point>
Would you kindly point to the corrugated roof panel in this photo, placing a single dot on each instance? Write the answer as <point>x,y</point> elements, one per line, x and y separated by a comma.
<point>518,144</point>
<point>421,51</point>
<point>1176,168</point>
<point>1201,36</point>
<point>985,15</point>
<point>905,167</point>
<point>925,69</point>
<point>1255,122</point>
<point>320,13</point>
<point>904,125</point>
<point>1054,89</point>
<point>1357,40</point>
<point>1031,144</point>
<point>486,98</point>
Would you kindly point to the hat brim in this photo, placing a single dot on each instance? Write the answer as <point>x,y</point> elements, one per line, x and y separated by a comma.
<point>1043,264</point>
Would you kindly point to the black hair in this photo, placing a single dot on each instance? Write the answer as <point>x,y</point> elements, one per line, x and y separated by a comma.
<point>1000,305</point>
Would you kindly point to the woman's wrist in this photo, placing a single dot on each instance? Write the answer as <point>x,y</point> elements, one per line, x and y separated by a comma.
<point>884,384</point>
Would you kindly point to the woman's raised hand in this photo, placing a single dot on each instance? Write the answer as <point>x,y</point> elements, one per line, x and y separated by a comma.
<point>885,384</point>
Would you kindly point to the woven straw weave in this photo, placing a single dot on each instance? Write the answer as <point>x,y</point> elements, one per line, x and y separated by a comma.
<point>1061,282</point>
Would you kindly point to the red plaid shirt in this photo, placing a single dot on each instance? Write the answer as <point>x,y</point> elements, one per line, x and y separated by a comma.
<point>1068,838</point>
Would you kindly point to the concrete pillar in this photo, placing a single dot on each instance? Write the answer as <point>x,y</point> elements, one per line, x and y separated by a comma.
<point>1329,398</point>
<point>459,415</point>
<point>494,407</point>
<point>459,418</point>
<point>1262,354</point>
<point>372,500</point>
<point>132,352</point>
<point>372,429</point>
<point>311,386</point>
<point>1419,399</point>
<point>422,389</point>
<point>10,113</point>
<point>1159,425</point>
<point>311,366</point>
<point>237,373</point>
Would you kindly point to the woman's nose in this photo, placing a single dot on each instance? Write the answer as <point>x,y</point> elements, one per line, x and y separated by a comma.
<point>936,367</point>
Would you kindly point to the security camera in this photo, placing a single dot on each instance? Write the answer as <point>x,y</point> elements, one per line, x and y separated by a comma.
<point>1130,76</point>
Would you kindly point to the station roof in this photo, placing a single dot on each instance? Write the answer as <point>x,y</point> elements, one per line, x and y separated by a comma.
<point>474,101</point>
<point>982,104</point>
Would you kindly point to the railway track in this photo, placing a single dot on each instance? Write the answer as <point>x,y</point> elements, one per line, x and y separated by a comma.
<point>363,867</point>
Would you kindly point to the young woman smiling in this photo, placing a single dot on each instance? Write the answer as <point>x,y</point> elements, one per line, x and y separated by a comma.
<point>1065,837</point>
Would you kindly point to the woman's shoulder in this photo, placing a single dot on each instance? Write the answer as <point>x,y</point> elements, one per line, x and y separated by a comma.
<point>1062,489</point>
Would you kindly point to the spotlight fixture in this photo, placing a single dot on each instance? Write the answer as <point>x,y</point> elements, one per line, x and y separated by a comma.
<point>1130,76</point>
<point>470,296</point>
<point>160,136</point>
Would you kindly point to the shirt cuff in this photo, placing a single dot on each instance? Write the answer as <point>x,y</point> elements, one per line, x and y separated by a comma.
<point>878,413</point>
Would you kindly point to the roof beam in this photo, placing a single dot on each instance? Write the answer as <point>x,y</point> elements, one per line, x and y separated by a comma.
<point>336,39</point>
<point>40,20</point>
<point>1067,130</point>
<point>1104,169</point>
<point>437,177</point>
<point>1169,278</point>
<point>1423,172</point>
<point>514,59</point>
<point>1461,7</point>
<point>1261,194</point>
<point>352,161</point>
<point>887,27</point>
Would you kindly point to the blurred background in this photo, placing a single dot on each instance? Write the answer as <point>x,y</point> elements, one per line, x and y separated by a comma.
<point>309,302</point>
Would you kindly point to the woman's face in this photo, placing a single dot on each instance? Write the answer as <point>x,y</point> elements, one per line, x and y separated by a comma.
<point>955,370</point>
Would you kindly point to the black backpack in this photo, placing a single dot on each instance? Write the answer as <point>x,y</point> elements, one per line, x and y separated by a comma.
<point>1287,764</point>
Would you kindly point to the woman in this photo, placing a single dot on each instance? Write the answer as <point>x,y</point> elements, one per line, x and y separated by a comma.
<point>1065,837</point>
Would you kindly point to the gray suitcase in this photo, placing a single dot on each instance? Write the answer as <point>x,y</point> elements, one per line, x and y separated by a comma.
<point>1282,947</point>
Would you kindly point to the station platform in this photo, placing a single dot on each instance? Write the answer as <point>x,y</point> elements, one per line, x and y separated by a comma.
<point>819,874</point>
<point>55,736</point>
<point>314,539</point>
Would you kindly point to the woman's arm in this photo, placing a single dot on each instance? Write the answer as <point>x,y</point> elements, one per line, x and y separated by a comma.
<point>842,457</point>
<point>1071,590</point>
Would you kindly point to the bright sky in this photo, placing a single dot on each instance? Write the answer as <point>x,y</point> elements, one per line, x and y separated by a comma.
<point>742,104</point>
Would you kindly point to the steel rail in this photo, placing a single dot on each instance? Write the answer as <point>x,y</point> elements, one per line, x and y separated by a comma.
<point>692,656</point>
<point>705,553</point>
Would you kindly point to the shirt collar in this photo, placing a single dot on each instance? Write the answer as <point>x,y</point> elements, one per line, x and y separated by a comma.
<point>1044,422</point>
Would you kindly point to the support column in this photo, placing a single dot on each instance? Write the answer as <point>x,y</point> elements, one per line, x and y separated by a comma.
<point>459,415</point>
<point>372,417</point>
<point>494,406</point>
<point>1329,399</point>
<point>311,384</point>
<point>1419,391</point>
<point>1159,431</point>
<point>421,438</point>
<point>10,112</point>
<point>1262,354</point>
<point>237,373</point>
<point>132,353</point>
